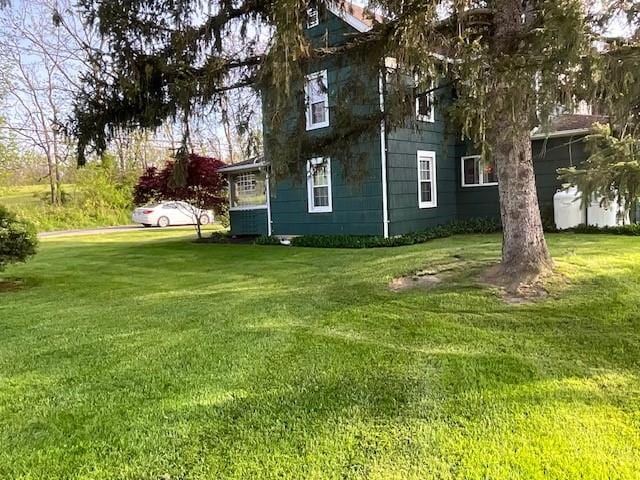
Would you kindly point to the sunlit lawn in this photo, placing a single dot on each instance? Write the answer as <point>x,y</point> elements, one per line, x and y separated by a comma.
<point>146,355</point>
<point>25,196</point>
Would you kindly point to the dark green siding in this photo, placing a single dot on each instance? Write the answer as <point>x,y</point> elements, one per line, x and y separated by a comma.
<point>402,167</point>
<point>248,222</point>
<point>356,205</point>
<point>548,156</point>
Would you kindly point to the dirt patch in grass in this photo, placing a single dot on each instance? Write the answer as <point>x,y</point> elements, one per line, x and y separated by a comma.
<point>12,285</point>
<point>427,277</point>
<point>524,291</point>
<point>401,284</point>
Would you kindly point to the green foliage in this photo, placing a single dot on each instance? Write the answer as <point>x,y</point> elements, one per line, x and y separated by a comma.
<point>611,171</point>
<point>101,197</point>
<point>254,363</point>
<point>266,240</point>
<point>478,225</point>
<point>630,230</point>
<point>18,239</point>
<point>215,237</point>
<point>102,189</point>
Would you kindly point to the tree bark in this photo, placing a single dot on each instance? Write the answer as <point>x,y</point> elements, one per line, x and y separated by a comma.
<point>524,250</point>
<point>525,255</point>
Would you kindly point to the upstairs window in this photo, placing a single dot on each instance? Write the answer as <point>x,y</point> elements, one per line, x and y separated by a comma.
<point>425,111</point>
<point>248,190</point>
<point>477,172</point>
<point>317,100</point>
<point>319,185</point>
<point>427,194</point>
<point>313,19</point>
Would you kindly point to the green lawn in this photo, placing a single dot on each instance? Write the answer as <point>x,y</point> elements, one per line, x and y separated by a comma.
<point>25,196</point>
<point>31,203</point>
<point>146,356</point>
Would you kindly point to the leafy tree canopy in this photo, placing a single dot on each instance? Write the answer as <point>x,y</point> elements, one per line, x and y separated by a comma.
<point>195,179</point>
<point>167,59</point>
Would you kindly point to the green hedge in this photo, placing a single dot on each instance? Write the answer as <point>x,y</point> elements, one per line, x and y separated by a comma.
<point>266,240</point>
<point>479,225</point>
<point>458,227</point>
<point>631,230</point>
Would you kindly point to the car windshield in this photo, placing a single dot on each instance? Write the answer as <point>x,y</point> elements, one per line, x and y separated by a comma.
<point>151,205</point>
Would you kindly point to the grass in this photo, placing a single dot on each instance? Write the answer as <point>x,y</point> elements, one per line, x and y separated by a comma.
<point>30,202</point>
<point>25,195</point>
<point>148,356</point>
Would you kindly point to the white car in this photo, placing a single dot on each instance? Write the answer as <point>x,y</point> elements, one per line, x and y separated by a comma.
<point>164,214</point>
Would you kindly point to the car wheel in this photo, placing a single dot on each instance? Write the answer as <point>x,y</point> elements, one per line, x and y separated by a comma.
<point>163,222</point>
<point>204,220</point>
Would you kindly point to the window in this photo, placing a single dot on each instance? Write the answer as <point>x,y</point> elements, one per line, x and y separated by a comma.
<point>425,111</point>
<point>248,190</point>
<point>319,184</point>
<point>427,194</point>
<point>477,172</point>
<point>312,17</point>
<point>317,100</point>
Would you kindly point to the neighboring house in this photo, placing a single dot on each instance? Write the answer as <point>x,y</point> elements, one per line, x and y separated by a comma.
<point>416,177</point>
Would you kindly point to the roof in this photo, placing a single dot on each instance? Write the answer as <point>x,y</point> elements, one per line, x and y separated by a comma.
<point>250,164</point>
<point>362,19</point>
<point>568,125</point>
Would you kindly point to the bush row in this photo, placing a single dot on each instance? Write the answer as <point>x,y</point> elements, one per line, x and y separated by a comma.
<point>631,229</point>
<point>459,227</point>
<point>477,225</point>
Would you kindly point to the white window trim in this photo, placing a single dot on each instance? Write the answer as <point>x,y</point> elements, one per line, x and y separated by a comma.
<point>310,185</point>
<point>260,206</point>
<point>312,13</point>
<point>480,176</point>
<point>434,183</point>
<point>312,78</point>
<point>431,118</point>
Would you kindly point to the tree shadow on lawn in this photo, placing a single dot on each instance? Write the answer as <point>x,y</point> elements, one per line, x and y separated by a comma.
<point>332,375</point>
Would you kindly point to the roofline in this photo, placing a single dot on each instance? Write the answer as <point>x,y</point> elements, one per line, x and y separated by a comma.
<point>239,168</point>
<point>348,17</point>
<point>559,134</point>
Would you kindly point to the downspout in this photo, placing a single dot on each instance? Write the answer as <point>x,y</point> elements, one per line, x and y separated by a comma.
<point>383,156</point>
<point>268,181</point>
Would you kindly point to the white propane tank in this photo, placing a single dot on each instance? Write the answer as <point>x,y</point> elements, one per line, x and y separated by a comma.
<point>605,216</point>
<point>567,209</point>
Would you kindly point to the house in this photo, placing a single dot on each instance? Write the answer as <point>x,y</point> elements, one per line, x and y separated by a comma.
<point>416,177</point>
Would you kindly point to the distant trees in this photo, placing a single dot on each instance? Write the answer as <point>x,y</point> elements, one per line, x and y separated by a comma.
<point>43,60</point>
<point>195,180</point>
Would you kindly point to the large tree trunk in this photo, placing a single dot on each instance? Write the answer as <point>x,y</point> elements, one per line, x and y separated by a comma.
<point>524,250</point>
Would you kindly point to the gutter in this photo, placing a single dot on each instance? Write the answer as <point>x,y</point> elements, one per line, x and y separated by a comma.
<point>562,133</point>
<point>383,156</point>
<point>240,168</point>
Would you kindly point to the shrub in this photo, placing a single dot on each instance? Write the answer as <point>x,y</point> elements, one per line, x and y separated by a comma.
<point>194,179</point>
<point>266,240</point>
<point>18,239</point>
<point>476,225</point>
<point>632,229</point>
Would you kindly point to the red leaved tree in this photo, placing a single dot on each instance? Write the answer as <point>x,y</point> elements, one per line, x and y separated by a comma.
<point>197,182</point>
